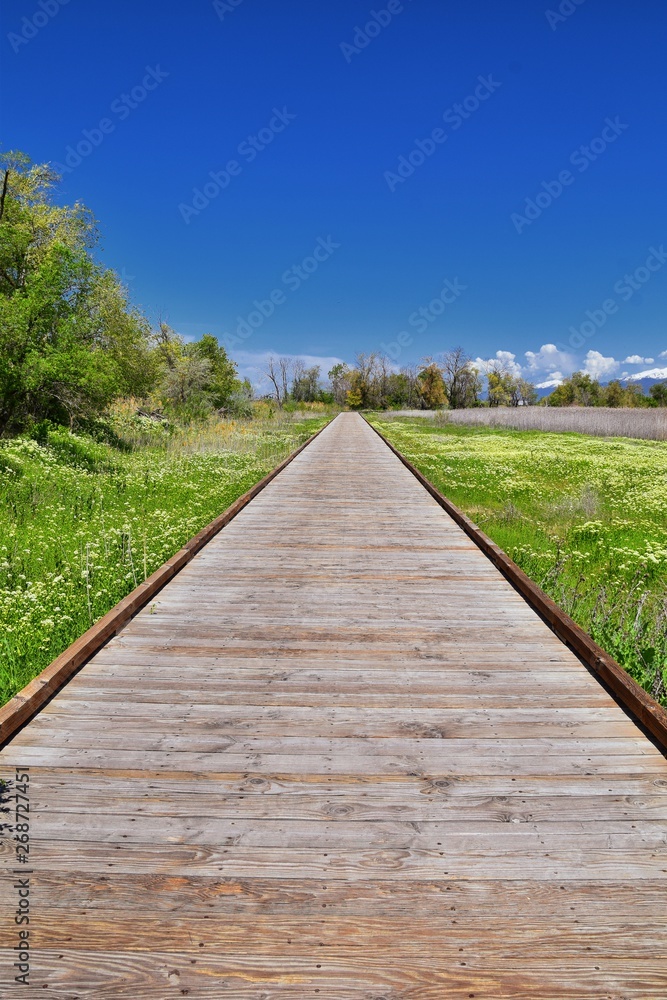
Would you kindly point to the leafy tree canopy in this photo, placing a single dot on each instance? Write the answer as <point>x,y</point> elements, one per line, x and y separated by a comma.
<point>69,340</point>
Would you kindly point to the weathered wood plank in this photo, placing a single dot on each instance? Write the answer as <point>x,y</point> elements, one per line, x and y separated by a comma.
<point>199,973</point>
<point>643,862</point>
<point>339,722</point>
<point>604,902</point>
<point>203,826</point>
<point>128,733</point>
<point>519,941</point>
<point>419,762</point>
<point>392,788</point>
<point>161,798</point>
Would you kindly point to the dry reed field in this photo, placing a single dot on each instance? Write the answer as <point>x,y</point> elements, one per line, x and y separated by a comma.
<point>597,420</point>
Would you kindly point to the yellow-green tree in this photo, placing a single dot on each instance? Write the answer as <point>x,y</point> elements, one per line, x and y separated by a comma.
<point>431,386</point>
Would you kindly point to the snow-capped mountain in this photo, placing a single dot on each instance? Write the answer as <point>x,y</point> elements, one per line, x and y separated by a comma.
<point>551,384</point>
<point>652,374</point>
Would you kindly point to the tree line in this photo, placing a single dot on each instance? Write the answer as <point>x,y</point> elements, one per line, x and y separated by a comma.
<point>372,383</point>
<point>581,389</point>
<point>452,380</point>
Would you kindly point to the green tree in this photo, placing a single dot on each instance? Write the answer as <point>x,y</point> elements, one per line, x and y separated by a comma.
<point>579,389</point>
<point>502,386</point>
<point>168,347</point>
<point>239,401</point>
<point>223,379</point>
<point>634,395</point>
<point>614,395</point>
<point>587,390</point>
<point>403,390</point>
<point>306,383</point>
<point>365,383</point>
<point>69,342</point>
<point>197,376</point>
<point>563,395</point>
<point>658,394</point>
<point>357,395</point>
<point>33,228</point>
<point>184,386</point>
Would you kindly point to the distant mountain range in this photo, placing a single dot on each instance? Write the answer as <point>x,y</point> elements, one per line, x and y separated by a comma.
<point>645,379</point>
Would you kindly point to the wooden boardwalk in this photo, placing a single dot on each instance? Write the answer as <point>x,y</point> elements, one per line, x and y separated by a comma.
<point>340,758</point>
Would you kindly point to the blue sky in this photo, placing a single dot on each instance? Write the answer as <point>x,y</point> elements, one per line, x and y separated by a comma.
<point>326,178</point>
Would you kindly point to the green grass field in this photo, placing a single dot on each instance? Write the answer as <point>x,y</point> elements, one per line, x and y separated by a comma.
<point>585,517</point>
<point>82,523</point>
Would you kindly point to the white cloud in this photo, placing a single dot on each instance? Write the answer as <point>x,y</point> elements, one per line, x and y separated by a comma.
<point>663,354</point>
<point>550,359</point>
<point>637,359</point>
<point>597,366</point>
<point>504,358</point>
<point>508,359</point>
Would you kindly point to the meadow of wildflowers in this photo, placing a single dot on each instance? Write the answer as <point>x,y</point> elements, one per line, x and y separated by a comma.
<point>585,517</point>
<point>83,522</point>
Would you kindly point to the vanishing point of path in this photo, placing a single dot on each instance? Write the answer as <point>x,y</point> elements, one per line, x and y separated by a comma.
<point>340,758</point>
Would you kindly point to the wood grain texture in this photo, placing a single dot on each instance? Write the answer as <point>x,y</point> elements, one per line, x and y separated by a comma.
<point>341,759</point>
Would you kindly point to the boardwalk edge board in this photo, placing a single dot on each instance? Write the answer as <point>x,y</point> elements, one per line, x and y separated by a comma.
<point>24,705</point>
<point>626,690</point>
